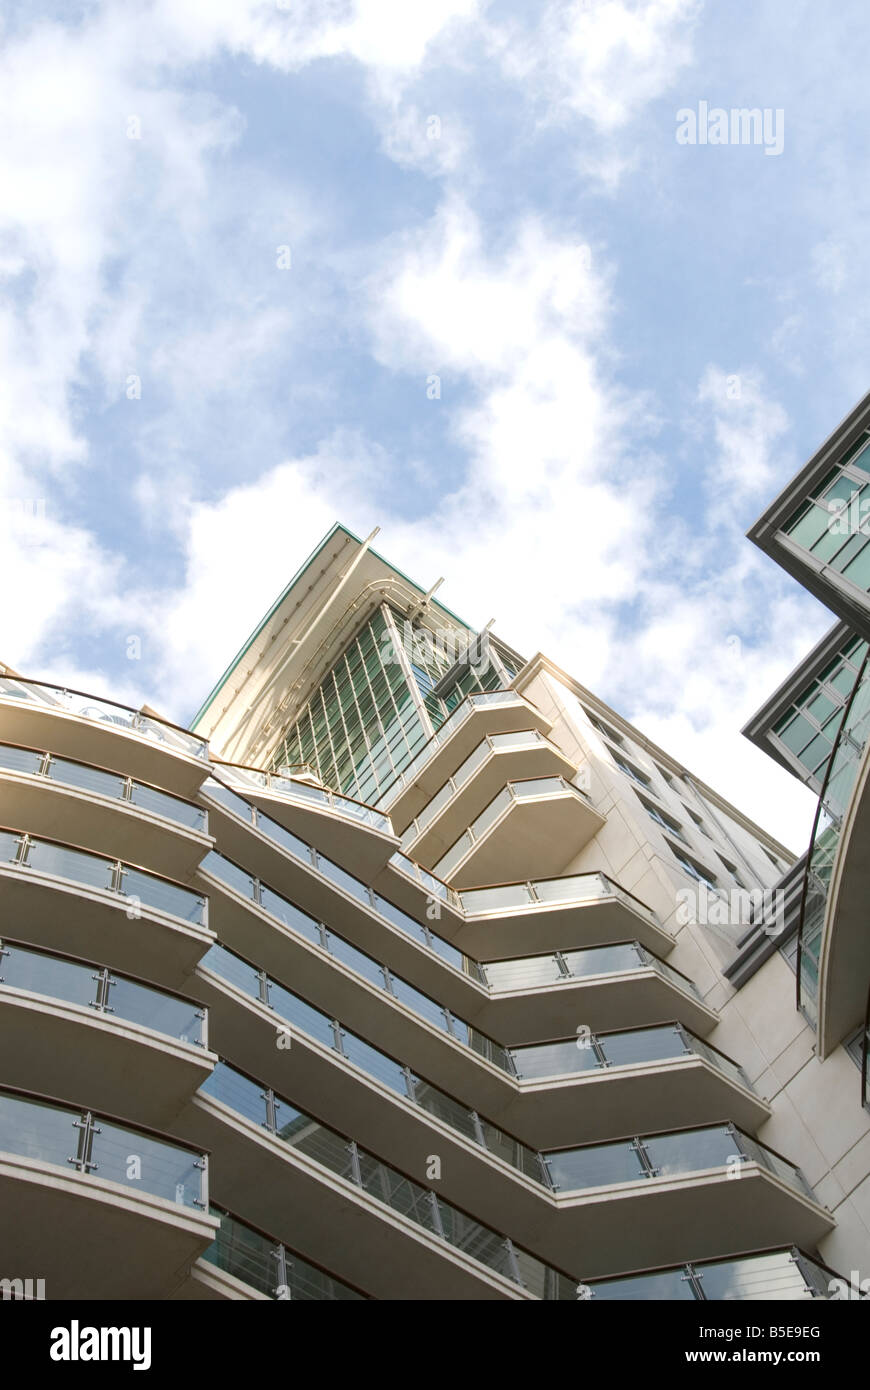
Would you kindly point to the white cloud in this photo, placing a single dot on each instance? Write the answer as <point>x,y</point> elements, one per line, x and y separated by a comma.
<point>603,60</point>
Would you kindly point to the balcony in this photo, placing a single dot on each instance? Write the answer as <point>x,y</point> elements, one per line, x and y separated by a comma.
<point>344,1208</point>
<point>243,1263</point>
<point>786,1275</point>
<point>83,727</point>
<point>384,1103</point>
<point>63,895</point>
<point>60,798</point>
<point>539,824</point>
<point>495,712</point>
<point>393,1014</point>
<point>607,986</point>
<point>500,759</point>
<point>74,1025</point>
<point>359,836</point>
<point>80,1188</point>
<point>690,1193</point>
<point>554,914</point>
<point>582,1088</point>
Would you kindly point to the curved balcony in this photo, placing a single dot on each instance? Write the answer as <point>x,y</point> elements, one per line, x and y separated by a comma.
<point>243,1263</point>
<point>72,1024</point>
<point>342,1206</point>
<point>492,712</point>
<point>833,955</point>
<point>537,825</point>
<point>61,797</point>
<point>89,729</point>
<point>140,921</point>
<point>359,835</point>
<point>78,1186</point>
<point>785,1275</point>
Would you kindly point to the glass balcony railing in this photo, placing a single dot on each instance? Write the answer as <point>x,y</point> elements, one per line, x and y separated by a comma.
<point>530,789</point>
<point>775,1275</point>
<point>312,859</point>
<point>344,1158</point>
<point>305,792</point>
<point>41,856</point>
<point>448,728</point>
<point>837,787</point>
<point>271,1268</point>
<point>668,1155</point>
<point>625,1048</point>
<point>491,745</point>
<point>573,888</point>
<point>96,1145</point>
<point>368,969</point>
<point>474,902</point>
<point>330,1032</point>
<point>97,987</point>
<point>104,712</point>
<point>530,972</point>
<point>100,782</point>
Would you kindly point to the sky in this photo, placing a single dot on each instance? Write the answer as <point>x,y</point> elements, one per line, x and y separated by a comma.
<point>449,269</point>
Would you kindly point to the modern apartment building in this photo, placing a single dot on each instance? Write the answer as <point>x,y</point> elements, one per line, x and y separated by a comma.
<point>410,971</point>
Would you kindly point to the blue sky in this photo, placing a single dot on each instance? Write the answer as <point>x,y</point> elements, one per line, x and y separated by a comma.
<point>492,194</point>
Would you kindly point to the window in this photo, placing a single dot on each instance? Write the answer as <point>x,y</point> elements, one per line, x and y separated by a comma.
<point>665,821</point>
<point>695,871</point>
<point>697,821</point>
<point>605,729</point>
<point>631,771</point>
<point>772,857</point>
<point>667,777</point>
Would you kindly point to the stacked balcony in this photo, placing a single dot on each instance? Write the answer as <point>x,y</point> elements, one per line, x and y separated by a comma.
<point>215,970</point>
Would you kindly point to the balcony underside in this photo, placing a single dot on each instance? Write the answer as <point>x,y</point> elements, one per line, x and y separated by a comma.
<point>94,1239</point>
<point>405,1135</point>
<point>67,1050</point>
<point>207,1284</point>
<point>329,1220</point>
<point>106,826</point>
<point>673,1220</point>
<point>631,999</point>
<point>594,1106</point>
<point>247,1030</point>
<point>536,837</point>
<point>508,718</point>
<point>102,742</point>
<point>362,849</point>
<point>545,927</point>
<point>844,958</point>
<point>502,766</point>
<point>59,915</point>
